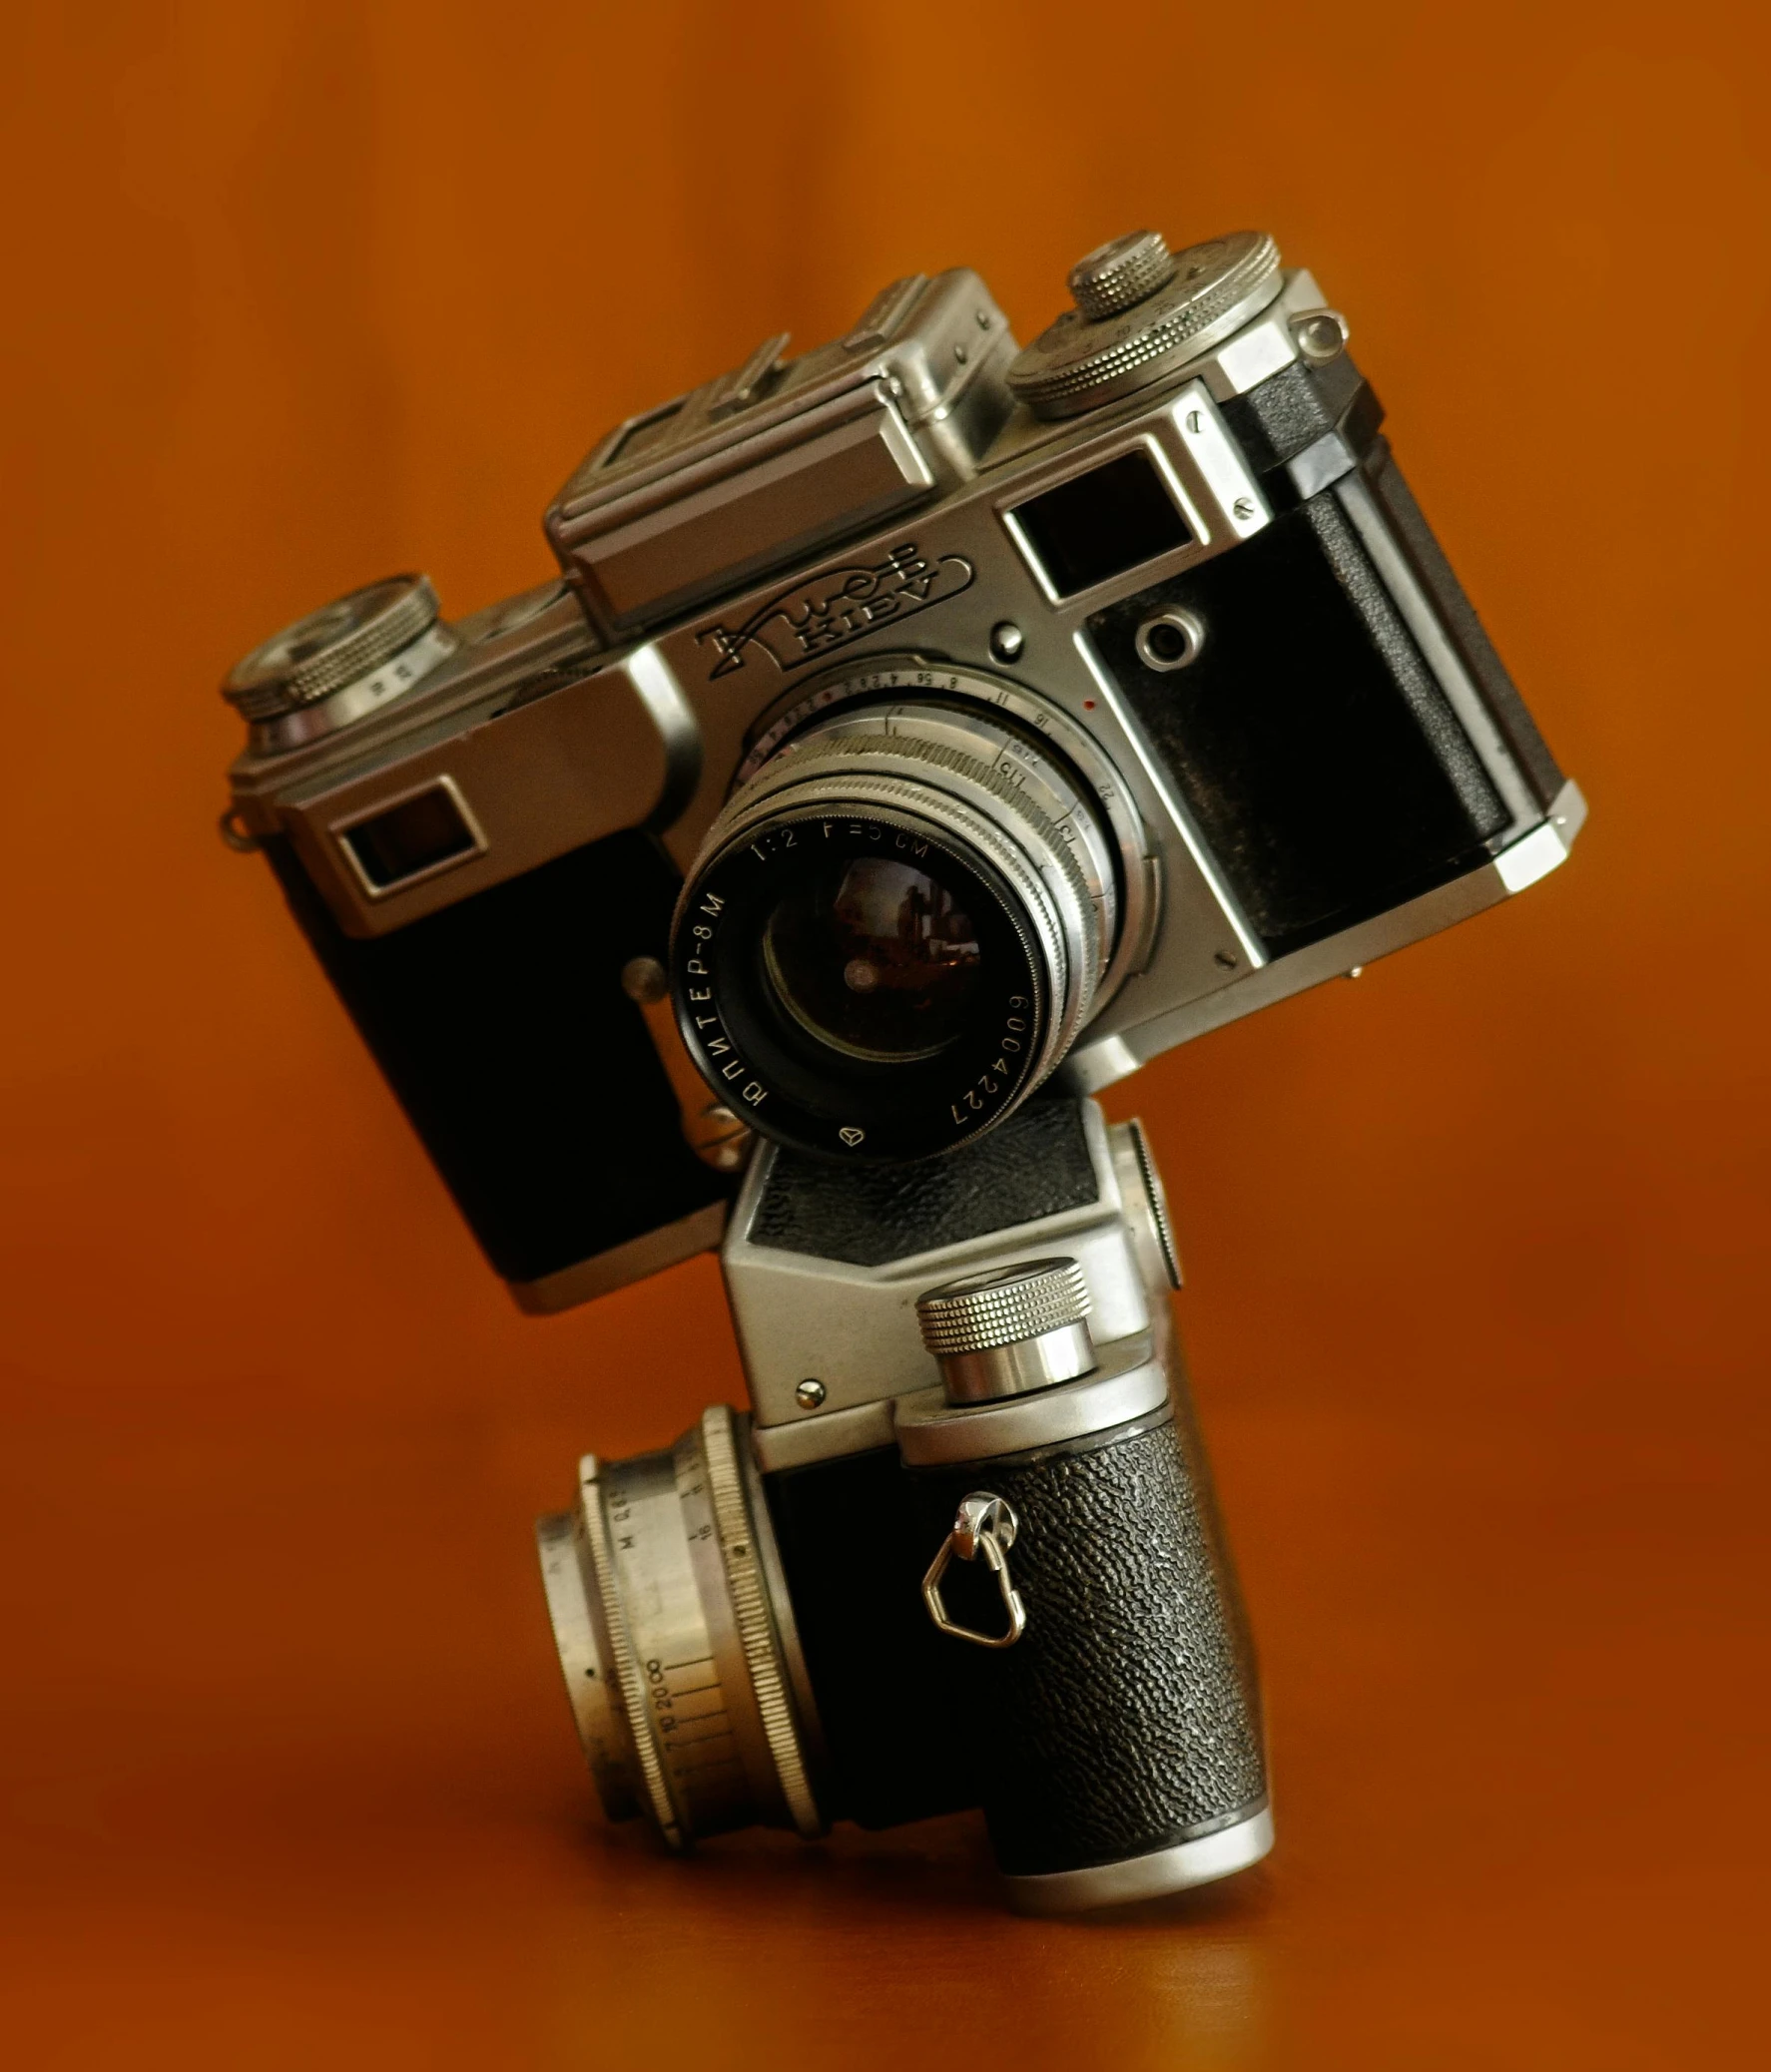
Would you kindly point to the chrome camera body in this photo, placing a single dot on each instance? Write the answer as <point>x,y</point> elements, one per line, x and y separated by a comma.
<point>920,735</point>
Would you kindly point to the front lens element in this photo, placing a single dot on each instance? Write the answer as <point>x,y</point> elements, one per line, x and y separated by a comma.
<point>876,957</point>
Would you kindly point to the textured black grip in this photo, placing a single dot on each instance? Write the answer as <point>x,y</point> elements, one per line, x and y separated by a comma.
<point>1126,1719</point>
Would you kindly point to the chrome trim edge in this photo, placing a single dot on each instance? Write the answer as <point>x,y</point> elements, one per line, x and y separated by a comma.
<point>622,1264</point>
<point>1146,1877</point>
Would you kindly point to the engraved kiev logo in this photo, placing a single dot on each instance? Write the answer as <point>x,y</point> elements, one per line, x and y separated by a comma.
<point>838,606</point>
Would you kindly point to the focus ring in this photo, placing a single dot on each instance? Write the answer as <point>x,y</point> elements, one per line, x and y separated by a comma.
<point>1005,1308</point>
<point>750,1612</point>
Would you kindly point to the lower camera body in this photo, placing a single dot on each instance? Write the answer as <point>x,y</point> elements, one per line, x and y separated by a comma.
<point>909,1581</point>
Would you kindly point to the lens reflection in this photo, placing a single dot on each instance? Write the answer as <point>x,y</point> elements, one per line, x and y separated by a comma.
<point>876,957</point>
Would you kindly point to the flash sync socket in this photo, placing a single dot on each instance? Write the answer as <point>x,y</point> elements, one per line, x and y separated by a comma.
<point>1169,641</point>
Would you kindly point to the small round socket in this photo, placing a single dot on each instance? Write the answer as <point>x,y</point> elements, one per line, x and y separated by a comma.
<point>1170,640</point>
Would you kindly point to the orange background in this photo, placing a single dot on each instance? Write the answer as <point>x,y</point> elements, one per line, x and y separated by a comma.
<point>303,293</point>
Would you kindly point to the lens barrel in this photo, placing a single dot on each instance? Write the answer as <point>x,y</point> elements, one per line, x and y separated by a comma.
<point>676,1640</point>
<point>894,931</point>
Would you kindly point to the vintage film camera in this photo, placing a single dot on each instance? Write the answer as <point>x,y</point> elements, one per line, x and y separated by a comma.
<point>702,898</point>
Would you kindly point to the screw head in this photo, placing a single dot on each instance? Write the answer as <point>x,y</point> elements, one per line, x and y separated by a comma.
<point>1006,641</point>
<point>1320,334</point>
<point>808,1394</point>
<point>645,981</point>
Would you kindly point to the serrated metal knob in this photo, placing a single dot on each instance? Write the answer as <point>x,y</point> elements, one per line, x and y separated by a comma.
<point>1209,291</point>
<point>1121,272</point>
<point>338,645</point>
<point>1010,1331</point>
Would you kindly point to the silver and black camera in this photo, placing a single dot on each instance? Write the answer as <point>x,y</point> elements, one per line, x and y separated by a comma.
<point>921,735</point>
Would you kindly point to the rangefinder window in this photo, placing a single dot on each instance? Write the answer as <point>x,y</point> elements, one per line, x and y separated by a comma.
<point>1097,526</point>
<point>405,841</point>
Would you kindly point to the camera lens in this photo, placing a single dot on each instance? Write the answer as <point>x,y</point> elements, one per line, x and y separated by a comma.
<point>676,1640</point>
<point>877,957</point>
<point>893,931</point>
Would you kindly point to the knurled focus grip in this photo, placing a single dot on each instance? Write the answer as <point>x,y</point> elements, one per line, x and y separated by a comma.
<point>1126,1719</point>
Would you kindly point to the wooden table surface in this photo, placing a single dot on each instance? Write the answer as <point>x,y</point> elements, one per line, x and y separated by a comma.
<point>1475,1246</point>
<point>300,1790</point>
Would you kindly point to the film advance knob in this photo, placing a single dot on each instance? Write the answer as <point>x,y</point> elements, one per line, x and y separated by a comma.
<point>1010,1331</point>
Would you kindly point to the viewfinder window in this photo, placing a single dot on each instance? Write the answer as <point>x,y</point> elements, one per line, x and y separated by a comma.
<point>410,839</point>
<point>1097,526</point>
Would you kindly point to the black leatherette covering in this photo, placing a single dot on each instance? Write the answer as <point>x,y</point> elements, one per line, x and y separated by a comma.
<point>501,1027</point>
<point>1126,1719</point>
<point>1035,1164</point>
<point>853,1546</point>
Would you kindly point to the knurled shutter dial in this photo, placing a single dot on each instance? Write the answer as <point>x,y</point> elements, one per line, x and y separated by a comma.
<point>335,647</point>
<point>1142,312</point>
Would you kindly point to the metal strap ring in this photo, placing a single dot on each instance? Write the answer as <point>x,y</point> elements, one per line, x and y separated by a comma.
<point>985,1525</point>
<point>237,835</point>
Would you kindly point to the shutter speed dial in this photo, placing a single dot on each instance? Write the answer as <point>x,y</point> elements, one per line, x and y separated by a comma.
<point>341,662</point>
<point>1142,312</point>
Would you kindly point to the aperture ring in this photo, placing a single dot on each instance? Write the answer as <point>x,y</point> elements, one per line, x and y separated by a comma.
<point>636,1715</point>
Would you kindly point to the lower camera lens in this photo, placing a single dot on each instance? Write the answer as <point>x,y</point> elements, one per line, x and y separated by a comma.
<point>893,932</point>
<point>678,1642</point>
